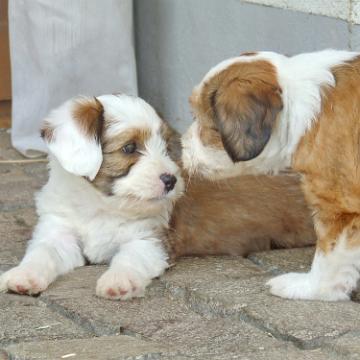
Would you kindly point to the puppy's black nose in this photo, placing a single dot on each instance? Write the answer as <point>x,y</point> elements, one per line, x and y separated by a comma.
<point>169,181</point>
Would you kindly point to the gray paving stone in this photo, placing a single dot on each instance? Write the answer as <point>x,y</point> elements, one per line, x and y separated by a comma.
<point>22,218</point>
<point>287,352</point>
<point>38,171</point>
<point>198,270</point>
<point>21,196</point>
<point>15,230</point>
<point>17,224</point>
<point>5,267</point>
<point>19,183</point>
<point>104,348</point>
<point>211,276</point>
<point>280,261</point>
<point>11,173</point>
<point>4,355</point>
<point>158,317</point>
<point>161,317</point>
<point>81,285</point>
<point>26,318</point>
<point>307,323</point>
<point>11,257</point>
<point>348,345</point>
<point>7,152</point>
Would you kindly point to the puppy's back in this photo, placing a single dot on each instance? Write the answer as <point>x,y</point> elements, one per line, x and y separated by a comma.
<point>240,215</point>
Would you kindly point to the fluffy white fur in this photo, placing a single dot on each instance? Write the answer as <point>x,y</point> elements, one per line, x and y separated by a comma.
<point>77,221</point>
<point>301,78</point>
<point>85,153</point>
<point>332,276</point>
<point>210,162</point>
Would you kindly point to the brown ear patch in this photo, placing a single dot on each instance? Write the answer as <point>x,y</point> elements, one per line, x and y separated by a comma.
<point>173,141</point>
<point>47,132</point>
<point>241,103</point>
<point>89,115</point>
<point>245,113</point>
<point>210,136</point>
<point>171,137</point>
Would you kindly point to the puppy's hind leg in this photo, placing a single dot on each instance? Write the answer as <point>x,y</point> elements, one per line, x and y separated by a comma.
<point>335,269</point>
<point>53,250</point>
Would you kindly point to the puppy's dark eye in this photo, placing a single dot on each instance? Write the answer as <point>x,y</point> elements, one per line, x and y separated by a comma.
<point>129,148</point>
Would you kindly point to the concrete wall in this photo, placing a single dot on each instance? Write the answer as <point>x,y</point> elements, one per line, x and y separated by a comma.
<point>179,40</point>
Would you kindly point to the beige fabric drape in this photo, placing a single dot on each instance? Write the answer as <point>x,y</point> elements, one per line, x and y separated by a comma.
<point>64,48</point>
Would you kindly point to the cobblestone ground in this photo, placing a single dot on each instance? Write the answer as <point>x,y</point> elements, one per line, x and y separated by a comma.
<point>203,308</point>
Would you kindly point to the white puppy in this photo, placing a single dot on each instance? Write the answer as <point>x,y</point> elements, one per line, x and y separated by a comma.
<point>110,193</point>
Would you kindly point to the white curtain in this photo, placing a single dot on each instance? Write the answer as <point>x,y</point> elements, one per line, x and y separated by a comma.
<point>62,48</point>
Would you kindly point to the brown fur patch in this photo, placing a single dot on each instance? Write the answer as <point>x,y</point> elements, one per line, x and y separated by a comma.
<point>89,115</point>
<point>241,103</point>
<point>210,137</point>
<point>329,157</point>
<point>115,162</point>
<point>138,136</point>
<point>240,215</point>
<point>171,137</point>
<point>47,132</point>
<point>173,141</point>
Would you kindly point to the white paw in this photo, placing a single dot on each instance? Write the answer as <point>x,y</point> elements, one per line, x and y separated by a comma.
<point>121,284</point>
<point>23,280</point>
<point>304,286</point>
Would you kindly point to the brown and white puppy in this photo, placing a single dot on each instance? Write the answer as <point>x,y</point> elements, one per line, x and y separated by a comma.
<point>111,189</point>
<point>263,112</point>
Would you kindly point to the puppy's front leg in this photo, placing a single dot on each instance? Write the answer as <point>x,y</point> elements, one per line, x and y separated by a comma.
<point>53,251</point>
<point>132,269</point>
<point>335,269</point>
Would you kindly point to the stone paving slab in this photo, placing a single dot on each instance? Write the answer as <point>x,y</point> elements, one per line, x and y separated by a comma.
<point>281,261</point>
<point>15,230</point>
<point>6,150</point>
<point>38,171</point>
<point>11,173</point>
<point>23,318</point>
<point>23,171</point>
<point>161,318</point>
<point>21,195</point>
<point>306,323</point>
<point>19,183</point>
<point>106,347</point>
<point>165,320</point>
<point>126,347</point>
<point>348,345</point>
<point>158,317</point>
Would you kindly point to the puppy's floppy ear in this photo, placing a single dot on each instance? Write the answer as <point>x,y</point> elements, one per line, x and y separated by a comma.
<point>73,134</point>
<point>245,112</point>
<point>173,141</point>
